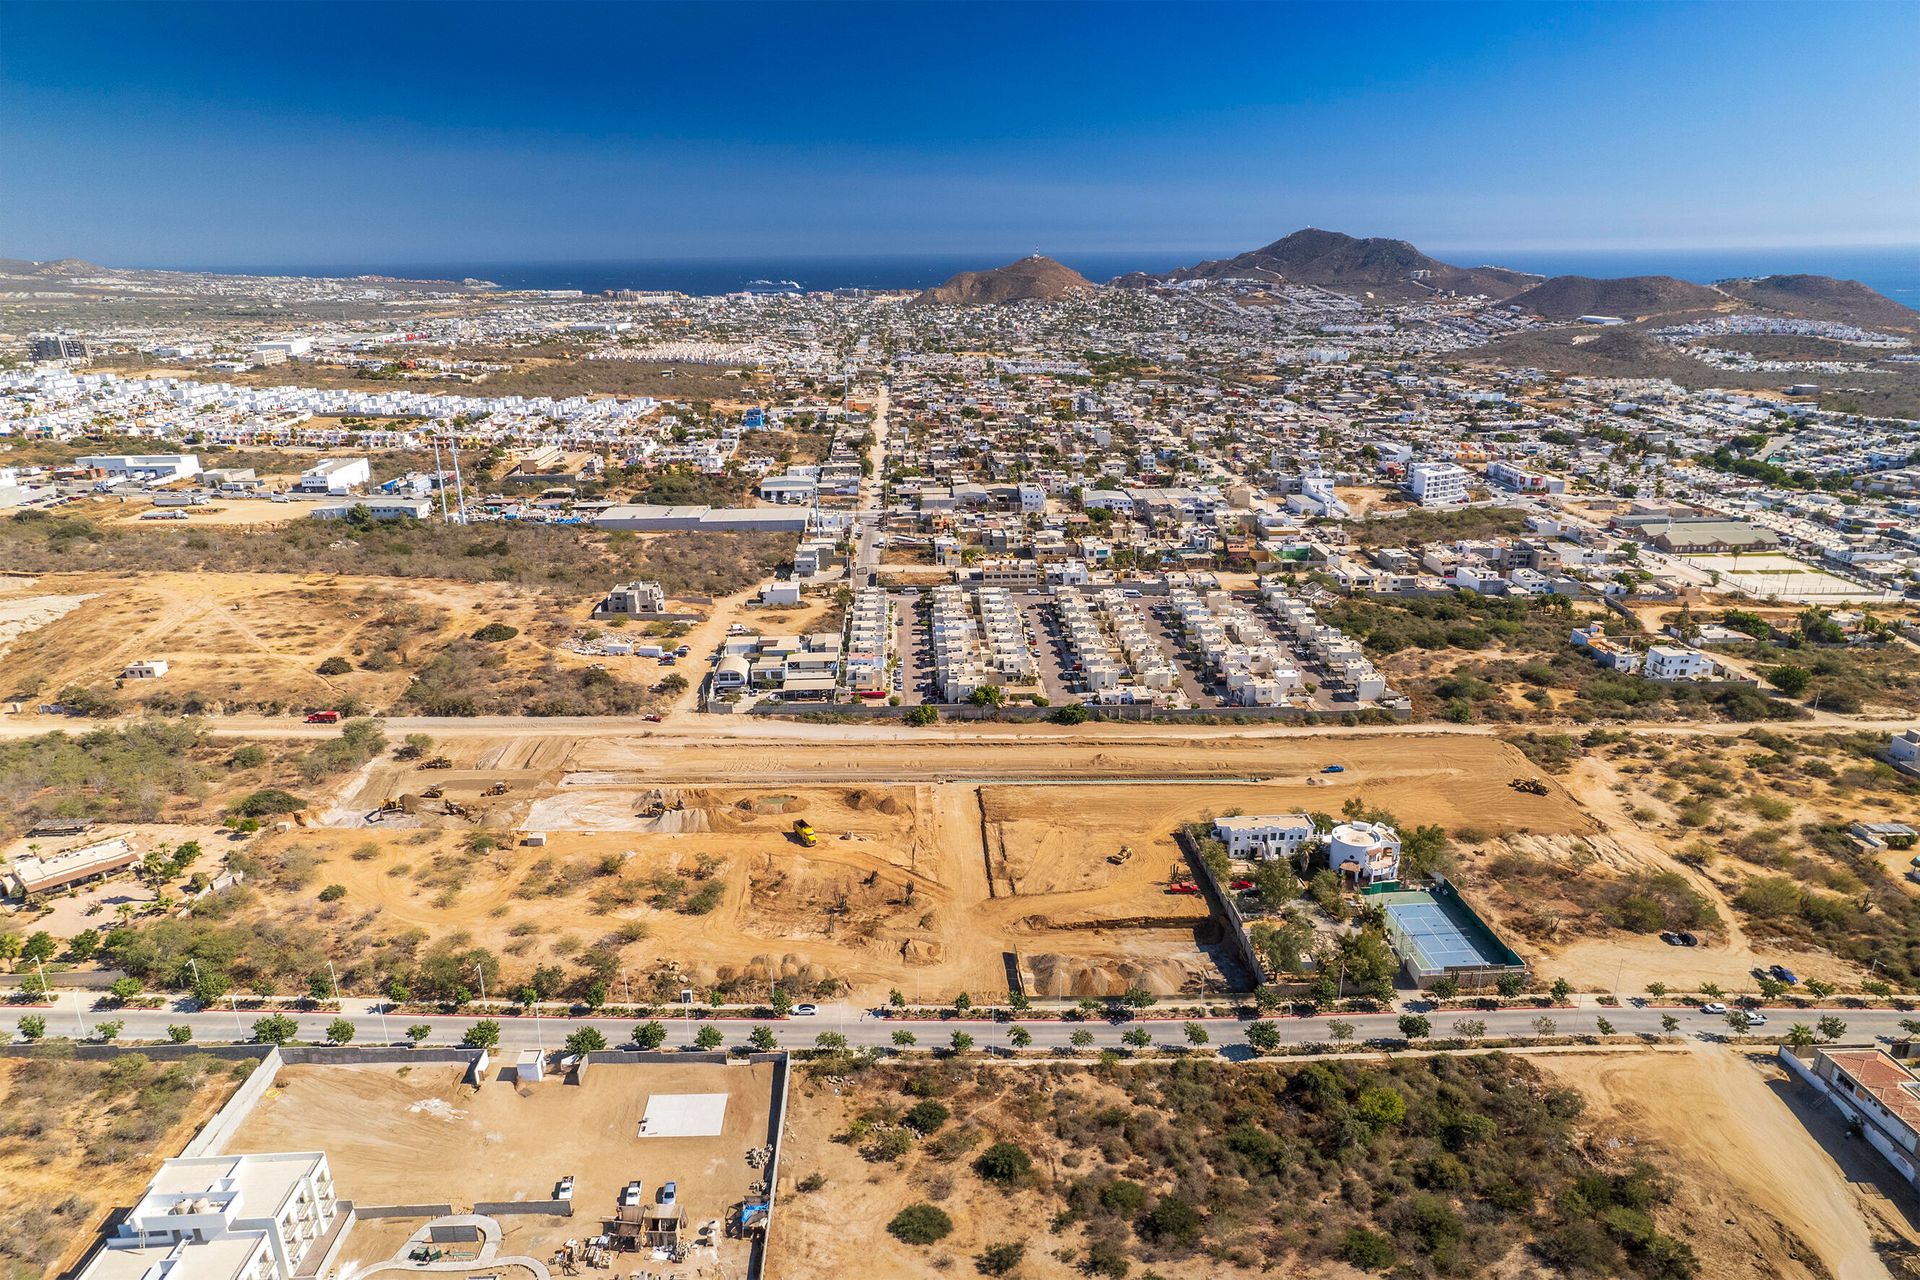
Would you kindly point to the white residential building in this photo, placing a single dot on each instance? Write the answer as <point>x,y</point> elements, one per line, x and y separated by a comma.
<point>1675,662</point>
<point>1437,484</point>
<point>247,1217</point>
<point>1272,836</point>
<point>1366,852</point>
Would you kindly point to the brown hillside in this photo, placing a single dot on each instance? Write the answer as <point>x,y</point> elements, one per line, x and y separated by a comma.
<point>1824,298</point>
<point>1331,260</point>
<point>1033,279</point>
<point>1570,297</point>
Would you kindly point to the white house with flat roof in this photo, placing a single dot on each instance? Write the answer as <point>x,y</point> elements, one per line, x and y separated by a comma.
<point>1270,836</point>
<point>247,1217</point>
<point>1365,852</point>
<point>1675,662</point>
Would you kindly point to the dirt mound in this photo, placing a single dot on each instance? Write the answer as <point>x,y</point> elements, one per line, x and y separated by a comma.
<point>918,951</point>
<point>679,822</point>
<point>874,802</point>
<point>1073,976</point>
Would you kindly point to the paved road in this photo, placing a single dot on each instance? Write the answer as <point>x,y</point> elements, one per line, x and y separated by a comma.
<point>74,1016</point>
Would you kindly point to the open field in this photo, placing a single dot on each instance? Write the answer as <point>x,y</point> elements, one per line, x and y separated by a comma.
<point>78,1139</point>
<point>417,1134</point>
<point>258,641</point>
<point>1199,1169</point>
<point>1764,1175</point>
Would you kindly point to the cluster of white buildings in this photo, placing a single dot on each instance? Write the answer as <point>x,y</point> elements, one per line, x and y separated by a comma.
<point>979,638</point>
<point>870,625</point>
<point>1338,653</point>
<point>1236,647</point>
<point>1658,662</point>
<point>1117,657</point>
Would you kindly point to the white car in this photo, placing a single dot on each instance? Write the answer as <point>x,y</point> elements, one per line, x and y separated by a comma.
<point>1755,1018</point>
<point>563,1190</point>
<point>1713,1007</point>
<point>805,1010</point>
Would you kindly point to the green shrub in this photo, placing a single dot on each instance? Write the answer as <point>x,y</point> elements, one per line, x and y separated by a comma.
<point>920,1224</point>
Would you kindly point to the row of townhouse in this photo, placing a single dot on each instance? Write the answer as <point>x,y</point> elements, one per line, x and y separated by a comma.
<point>1236,648</point>
<point>1115,653</point>
<point>979,638</point>
<point>1336,651</point>
<point>869,641</point>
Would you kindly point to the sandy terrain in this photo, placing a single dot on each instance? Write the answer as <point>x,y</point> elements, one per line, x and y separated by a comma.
<point>23,609</point>
<point>411,1135</point>
<point>46,1170</point>
<point>1766,1195</point>
<point>258,638</point>
<point>932,887</point>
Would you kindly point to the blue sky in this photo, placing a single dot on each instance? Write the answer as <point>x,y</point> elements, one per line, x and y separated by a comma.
<point>150,134</point>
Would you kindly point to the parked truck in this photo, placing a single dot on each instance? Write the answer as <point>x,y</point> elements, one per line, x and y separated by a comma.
<point>804,833</point>
<point>323,717</point>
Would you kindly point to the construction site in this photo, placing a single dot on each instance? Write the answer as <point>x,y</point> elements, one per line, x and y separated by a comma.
<point>550,1166</point>
<point>957,873</point>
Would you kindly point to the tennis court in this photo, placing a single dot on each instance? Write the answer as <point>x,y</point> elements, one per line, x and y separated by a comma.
<point>1439,934</point>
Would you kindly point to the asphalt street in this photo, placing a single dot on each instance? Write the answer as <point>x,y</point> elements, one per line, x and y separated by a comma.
<point>74,1015</point>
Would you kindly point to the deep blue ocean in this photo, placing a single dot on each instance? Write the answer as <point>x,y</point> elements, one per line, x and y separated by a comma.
<point>1894,272</point>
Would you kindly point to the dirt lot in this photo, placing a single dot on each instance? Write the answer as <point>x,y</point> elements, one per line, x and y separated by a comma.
<point>411,1135</point>
<point>1768,1181</point>
<point>929,886</point>
<point>78,1140</point>
<point>248,640</point>
<point>1725,816</point>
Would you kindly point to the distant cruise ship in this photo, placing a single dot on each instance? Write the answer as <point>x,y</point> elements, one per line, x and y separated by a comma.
<point>773,286</point>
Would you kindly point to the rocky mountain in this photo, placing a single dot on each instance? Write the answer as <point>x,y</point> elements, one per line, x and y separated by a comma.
<point>1825,298</point>
<point>1630,297</point>
<point>1032,279</point>
<point>1388,269</point>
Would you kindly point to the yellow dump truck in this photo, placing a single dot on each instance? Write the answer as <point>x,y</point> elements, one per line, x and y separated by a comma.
<point>803,832</point>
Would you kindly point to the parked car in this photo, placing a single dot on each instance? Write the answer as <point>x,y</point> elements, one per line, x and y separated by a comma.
<point>651,717</point>
<point>805,1010</point>
<point>1333,768</point>
<point>1687,939</point>
<point>1784,974</point>
<point>1671,938</point>
<point>563,1190</point>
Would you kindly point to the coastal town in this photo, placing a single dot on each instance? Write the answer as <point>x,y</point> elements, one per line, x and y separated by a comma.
<point>573,694</point>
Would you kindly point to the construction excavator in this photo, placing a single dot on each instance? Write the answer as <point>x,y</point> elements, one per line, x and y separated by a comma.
<point>433,793</point>
<point>1532,786</point>
<point>497,789</point>
<point>438,762</point>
